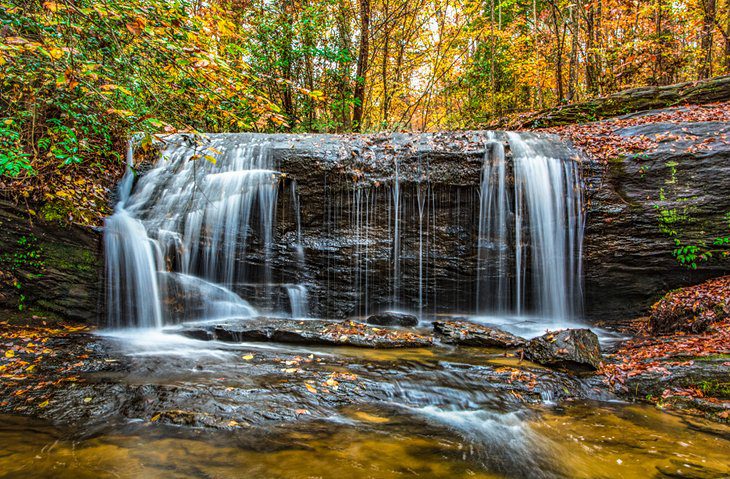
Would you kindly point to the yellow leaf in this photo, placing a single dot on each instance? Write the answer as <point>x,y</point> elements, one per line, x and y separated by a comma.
<point>9,353</point>
<point>232,423</point>
<point>310,388</point>
<point>43,404</point>
<point>52,6</point>
<point>211,159</point>
<point>56,53</point>
<point>30,368</point>
<point>155,417</point>
<point>248,357</point>
<point>87,400</point>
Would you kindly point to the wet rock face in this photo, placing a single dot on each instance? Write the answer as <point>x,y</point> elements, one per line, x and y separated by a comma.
<point>347,191</point>
<point>392,318</point>
<point>58,267</point>
<point>628,263</point>
<point>627,258</point>
<point>575,349</point>
<point>465,333</point>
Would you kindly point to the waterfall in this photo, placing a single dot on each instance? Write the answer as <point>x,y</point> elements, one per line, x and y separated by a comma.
<point>203,206</point>
<point>298,301</point>
<point>131,275</point>
<point>208,233</point>
<point>539,219</point>
<point>494,243</point>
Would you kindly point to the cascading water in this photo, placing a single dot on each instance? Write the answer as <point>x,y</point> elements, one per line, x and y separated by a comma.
<point>196,238</point>
<point>298,300</point>
<point>539,219</point>
<point>131,274</point>
<point>174,246</point>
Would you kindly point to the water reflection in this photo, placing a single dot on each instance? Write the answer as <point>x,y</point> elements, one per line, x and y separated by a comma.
<point>580,441</point>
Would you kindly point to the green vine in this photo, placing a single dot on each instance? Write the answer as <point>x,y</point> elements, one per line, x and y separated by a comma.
<point>26,261</point>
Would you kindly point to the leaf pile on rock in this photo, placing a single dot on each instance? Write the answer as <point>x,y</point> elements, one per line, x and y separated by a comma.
<point>683,369</point>
<point>692,309</point>
<point>470,334</point>
<point>659,354</point>
<point>602,140</point>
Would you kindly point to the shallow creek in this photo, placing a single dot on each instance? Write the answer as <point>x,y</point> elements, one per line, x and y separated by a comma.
<point>443,412</point>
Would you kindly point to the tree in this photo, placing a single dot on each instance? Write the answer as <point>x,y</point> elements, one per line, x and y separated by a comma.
<point>362,65</point>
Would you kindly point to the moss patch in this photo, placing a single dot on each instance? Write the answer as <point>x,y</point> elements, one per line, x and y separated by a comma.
<point>66,257</point>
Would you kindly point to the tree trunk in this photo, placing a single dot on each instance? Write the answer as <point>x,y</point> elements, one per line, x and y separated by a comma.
<point>384,66</point>
<point>559,44</point>
<point>659,74</point>
<point>362,65</point>
<point>573,68</point>
<point>591,78</point>
<point>287,63</point>
<point>344,71</point>
<point>708,26</point>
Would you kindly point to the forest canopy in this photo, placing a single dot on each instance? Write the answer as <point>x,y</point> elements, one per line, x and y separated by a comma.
<point>79,76</point>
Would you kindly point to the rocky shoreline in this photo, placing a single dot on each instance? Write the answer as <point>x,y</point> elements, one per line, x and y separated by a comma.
<point>75,378</point>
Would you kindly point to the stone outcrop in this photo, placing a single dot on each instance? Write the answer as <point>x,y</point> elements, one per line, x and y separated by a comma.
<point>627,258</point>
<point>345,187</point>
<point>56,267</point>
<point>628,101</point>
<point>393,318</point>
<point>310,332</point>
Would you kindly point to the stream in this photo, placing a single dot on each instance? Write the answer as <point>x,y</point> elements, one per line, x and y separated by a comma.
<point>438,412</point>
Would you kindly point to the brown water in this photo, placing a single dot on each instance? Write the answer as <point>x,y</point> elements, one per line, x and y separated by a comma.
<point>580,441</point>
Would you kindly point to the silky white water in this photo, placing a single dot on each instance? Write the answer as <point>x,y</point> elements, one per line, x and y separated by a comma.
<point>196,237</point>
<point>531,233</point>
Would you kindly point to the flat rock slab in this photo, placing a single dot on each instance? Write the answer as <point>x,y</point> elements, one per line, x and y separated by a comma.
<point>574,349</point>
<point>313,332</point>
<point>471,334</point>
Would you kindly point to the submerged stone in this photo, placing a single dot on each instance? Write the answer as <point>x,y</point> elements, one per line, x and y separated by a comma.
<point>470,334</point>
<point>575,349</point>
<point>393,318</point>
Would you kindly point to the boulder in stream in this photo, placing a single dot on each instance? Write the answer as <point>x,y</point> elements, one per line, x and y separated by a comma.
<point>465,333</point>
<point>575,349</point>
<point>393,318</point>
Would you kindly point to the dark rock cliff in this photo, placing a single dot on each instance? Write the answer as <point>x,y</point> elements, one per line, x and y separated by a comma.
<point>628,260</point>
<point>48,266</point>
<point>345,189</point>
